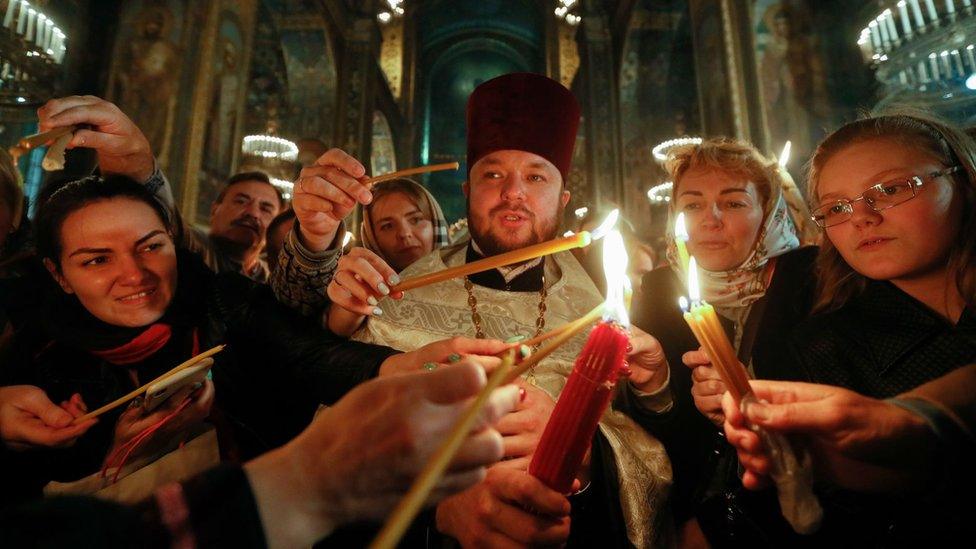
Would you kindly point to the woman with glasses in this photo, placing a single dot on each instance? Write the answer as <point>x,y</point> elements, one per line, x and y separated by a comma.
<point>896,198</point>
<point>755,272</point>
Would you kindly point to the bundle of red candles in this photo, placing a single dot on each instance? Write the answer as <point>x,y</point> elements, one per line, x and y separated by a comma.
<point>587,394</point>
<point>591,385</point>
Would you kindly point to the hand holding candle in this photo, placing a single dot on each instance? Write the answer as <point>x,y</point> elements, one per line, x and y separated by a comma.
<point>579,240</point>
<point>793,477</point>
<point>590,387</point>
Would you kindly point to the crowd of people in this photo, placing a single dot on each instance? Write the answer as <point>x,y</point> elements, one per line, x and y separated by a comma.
<point>334,390</point>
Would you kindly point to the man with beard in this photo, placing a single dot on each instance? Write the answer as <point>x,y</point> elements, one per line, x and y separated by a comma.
<point>239,220</point>
<point>521,133</point>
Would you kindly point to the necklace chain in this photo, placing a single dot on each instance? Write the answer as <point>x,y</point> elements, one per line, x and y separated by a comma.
<point>540,322</point>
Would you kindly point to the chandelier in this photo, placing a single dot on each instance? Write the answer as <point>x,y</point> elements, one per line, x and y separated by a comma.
<point>660,151</point>
<point>562,12</point>
<point>274,156</point>
<point>395,9</point>
<point>660,193</point>
<point>32,48</point>
<point>923,48</point>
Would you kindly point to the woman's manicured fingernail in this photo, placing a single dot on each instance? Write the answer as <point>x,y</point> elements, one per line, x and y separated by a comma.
<point>377,311</point>
<point>394,279</point>
<point>383,288</point>
<point>371,300</point>
<point>515,339</point>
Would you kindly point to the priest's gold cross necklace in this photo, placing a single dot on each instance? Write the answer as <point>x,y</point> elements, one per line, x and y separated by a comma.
<point>540,322</point>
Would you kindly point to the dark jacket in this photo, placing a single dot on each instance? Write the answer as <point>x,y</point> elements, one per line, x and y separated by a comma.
<point>883,343</point>
<point>704,464</point>
<point>277,368</point>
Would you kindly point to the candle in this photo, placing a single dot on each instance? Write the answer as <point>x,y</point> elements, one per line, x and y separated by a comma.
<point>968,4</point>
<point>917,12</point>
<point>889,20</point>
<point>41,28</point>
<point>22,17</point>
<point>413,171</point>
<point>784,156</point>
<point>950,8</point>
<point>405,511</point>
<point>8,18</point>
<point>578,240</point>
<point>48,35</point>
<point>875,35</point>
<point>933,15</point>
<point>590,386</point>
<point>906,23</point>
<point>31,16</point>
<point>934,65</point>
<point>971,58</point>
<point>681,241</point>
<point>945,63</point>
<point>957,61</point>
<point>885,37</point>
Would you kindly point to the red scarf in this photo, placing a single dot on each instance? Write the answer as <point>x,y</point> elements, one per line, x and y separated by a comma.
<point>140,348</point>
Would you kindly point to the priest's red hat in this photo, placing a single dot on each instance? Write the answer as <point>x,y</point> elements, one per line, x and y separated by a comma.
<point>523,112</point>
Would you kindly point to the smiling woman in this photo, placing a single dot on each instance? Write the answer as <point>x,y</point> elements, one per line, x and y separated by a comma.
<point>132,304</point>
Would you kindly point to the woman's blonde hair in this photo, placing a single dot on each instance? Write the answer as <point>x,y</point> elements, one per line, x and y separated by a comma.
<point>837,281</point>
<point>727,155</point>
<point>420,196</point>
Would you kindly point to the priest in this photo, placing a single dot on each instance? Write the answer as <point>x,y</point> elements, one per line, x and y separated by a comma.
<point>521,132</point>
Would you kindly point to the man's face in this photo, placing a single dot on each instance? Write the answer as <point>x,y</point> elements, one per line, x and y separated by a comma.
<point>244,213</point>
<point>515,199</point>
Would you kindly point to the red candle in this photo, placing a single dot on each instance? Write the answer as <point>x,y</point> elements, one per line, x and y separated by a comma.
<point>574,420</point>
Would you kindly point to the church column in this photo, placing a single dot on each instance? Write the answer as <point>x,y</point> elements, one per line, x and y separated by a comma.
<point>357,86</point>
<point>725,65</point>
<point>600,104</point>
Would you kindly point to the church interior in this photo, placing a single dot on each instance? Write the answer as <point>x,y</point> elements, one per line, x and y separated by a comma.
<point>387,80</point>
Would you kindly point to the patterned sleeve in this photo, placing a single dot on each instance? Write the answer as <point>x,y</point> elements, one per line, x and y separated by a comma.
<point>302,276</point>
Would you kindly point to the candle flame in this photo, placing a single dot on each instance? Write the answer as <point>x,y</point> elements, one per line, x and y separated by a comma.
<point>680,229</point>
<point>346,239</point>
<point>609,223</point>
<point>568,233</point>
<point>693,292</point>
<point>784,157</point>
<point>683,303</point>
<point>615,269</point>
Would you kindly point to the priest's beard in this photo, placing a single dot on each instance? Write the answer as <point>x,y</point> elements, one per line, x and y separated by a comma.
<point>491,239</point>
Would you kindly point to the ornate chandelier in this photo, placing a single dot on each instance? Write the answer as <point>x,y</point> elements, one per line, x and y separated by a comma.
<point>32,48</point>
<point>274,156</point>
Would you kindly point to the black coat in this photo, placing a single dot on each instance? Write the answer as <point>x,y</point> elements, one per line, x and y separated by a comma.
<point>883,343</point>
<point>703,463</point>
<point>277,368</point>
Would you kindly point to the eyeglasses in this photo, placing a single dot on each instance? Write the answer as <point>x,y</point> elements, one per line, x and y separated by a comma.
<point>879,197</point>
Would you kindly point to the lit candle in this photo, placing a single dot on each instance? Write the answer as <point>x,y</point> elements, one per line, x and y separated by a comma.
<point>41,27</point>
<point>8,18</point>
<point>889,20</point>
<point>971,58</point>
<point>681,241</point>
<point>933,15</point>
<point>590,386</point>
<point>906,23</point>
<point>945,63</point>
<point>934,65</point>
<point>957,61</point>
<point>22,17</point>
<point>875,35</point>
<point>784,156</point>
<point>917,12</point>
<point>578,240</point>
<point>31,16</point>
<point>48,35</point>
<point>885,37</point>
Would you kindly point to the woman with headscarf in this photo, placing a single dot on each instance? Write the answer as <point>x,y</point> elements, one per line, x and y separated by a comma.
<point>753,270</point>
<point>400,225</point>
